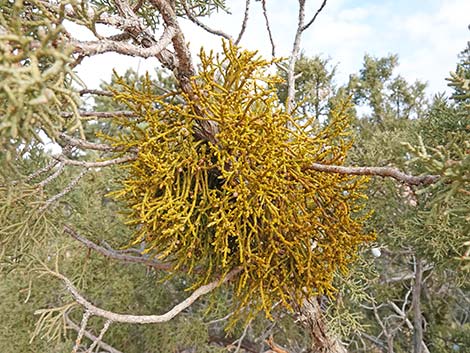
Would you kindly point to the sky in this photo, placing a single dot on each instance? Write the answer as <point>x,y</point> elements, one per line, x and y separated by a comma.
<point>427,35</point>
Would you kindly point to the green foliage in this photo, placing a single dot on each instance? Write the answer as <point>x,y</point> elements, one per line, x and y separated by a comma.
<point>35,73</point>
<point>249,200</point>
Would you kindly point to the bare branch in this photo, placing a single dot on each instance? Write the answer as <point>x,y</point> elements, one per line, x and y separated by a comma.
<point>81,331</point>
<point>315,16</point>
<point>245,21</point>
<point>376,171</point>
<point>100,337</point>
<point>295,52</point>
<point>95,92</point>
<point>71,141</point>
<point>407,321</point>
<point>293,59</point>
<point>141,319</point>
<point>104,45</point>
<point>268,27</point>
<point>416,305</point>
<point>107,163</point>
<point>116,255</point>
<point>43,170</point>
<point>196,21</point>
<point>64,192</point>
<point>90,336</point>
<point>242,337</point>
<point>105,115</point>
<point>60,169</point>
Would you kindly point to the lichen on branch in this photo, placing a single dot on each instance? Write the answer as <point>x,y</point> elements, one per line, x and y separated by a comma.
<point>247,199</point>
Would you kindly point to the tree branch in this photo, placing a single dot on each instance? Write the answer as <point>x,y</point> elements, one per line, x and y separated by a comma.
<point>105,115</point>
<point>295,52</point>
<point>196,21</point>
<point>141,319</point>
<point>64,192</point>
<point>376,171</point>
<point>315,16</point>
<point>110,253</point>
<point>71,141</point>
<point>245,21</point>
<point>268,27</point>
<point>86,164</point>
<point>90,336</point>
<point>95,92</point>
<point>90,48</point>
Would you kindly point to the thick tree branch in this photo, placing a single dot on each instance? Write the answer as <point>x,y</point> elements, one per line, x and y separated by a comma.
<point>376,171</point>
<point>115,255</point>
<point>141,319</point>
<point>90,48</point>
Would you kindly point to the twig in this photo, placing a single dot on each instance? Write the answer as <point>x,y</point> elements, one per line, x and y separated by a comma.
<point>100,114</point>
<point>115,255</point>
<point>100,337</point>
<point>245,21</point>
<point>81,331</point>
<point>43,170</point>
<point>53,176</point>
<point>95,92</point>
<point>315,16</point>
<point>242,337</point>
<point>90,336</point>
<point>407,321</point>
<point>202,25</point>
<point>376,171</point>
<point>141,319</point>
<point>268,27</point>
<point>107,163</point>
<point>64,192</point>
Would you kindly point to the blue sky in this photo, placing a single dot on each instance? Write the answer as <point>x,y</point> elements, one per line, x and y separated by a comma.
<point>426,34</point>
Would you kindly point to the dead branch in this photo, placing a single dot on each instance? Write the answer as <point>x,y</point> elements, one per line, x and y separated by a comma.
<point>95,92</point>
<point>268,28</point>
<point>71,141</point>
<point>140,319</point>
<point>245,21</point>
<point>90,336</point>
<point>111,253</point>
<point>64,192</point>
<point>105,115</point>
<point>90,48</point>
<point>86,164</point>
<point>376,171</point>
<point>205,27</point>
<point>301,27</point>
<point>314,16</point>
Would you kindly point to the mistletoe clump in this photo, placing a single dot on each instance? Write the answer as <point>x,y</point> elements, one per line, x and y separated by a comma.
<point>245,198</point>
